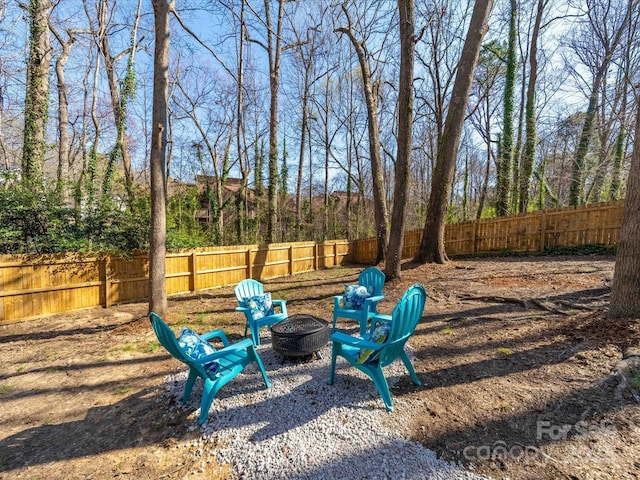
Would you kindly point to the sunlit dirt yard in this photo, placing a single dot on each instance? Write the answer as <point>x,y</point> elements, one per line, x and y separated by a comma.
<point>523,376</point>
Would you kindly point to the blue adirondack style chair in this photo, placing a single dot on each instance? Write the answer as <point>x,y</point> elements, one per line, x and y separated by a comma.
<point>229,362</point>
<point>369,356</point>
<point>373,279</point>
<point>258,314</point>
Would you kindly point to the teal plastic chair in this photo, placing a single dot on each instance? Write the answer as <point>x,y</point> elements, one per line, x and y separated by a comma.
<point>373,279</point>
<point>250,288</point>
<point>231,361</point>
<point>404,318</point>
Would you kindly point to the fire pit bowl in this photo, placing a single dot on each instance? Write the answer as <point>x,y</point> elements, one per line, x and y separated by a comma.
<point>299,335</point>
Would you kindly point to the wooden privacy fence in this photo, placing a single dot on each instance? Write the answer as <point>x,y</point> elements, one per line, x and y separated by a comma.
<point>35,285</point>
<point>592,224</point>
<point>32,286</point>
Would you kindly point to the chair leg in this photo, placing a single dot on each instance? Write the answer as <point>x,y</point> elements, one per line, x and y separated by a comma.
<point>255,333</point>
<point>209,393</point>
<point>332,372</point>
<point>381,384</point>
<point>412,372</point>
<point>189,385</point>
<point>333,327</point>
<point>254,355</point>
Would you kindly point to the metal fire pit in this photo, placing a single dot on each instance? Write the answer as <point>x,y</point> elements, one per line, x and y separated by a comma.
<point>299,335</point>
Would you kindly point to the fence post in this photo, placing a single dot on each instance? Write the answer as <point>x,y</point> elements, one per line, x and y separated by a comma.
<point>335,253</point>
<point>474,246</point>
<point>315,256</point>
<point>248,261</point>
<point>107,283</point>
<point>291,260</point>
<point>543,232</point>
<point>193,269</point>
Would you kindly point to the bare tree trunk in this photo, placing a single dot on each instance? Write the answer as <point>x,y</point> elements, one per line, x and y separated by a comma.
<point>63,112</point>
<point>370,94</point>
<point>607,40</point>
<point>625,293</point>
<point>303,137</point>
<point>485,128</point>
<point>432,244</point>
<point>530,113</point>
<point>37,93</point>
<point>505,165</point>
<point>240,132</point>
<point>575,189</point>
<point>618,159</point>
<point>157,243</point>
<point>405,122</point>
<point>274,51</point>
<point>619,154</point>
<point>92,154</point>
<point>119,100</point>
<point>327,107</point>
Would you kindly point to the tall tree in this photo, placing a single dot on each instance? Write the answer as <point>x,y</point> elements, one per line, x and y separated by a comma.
<point>490,67</point>
<point>63,108</point>
<point>157,241</point>
<point>530,113</point>
<point>505,164</point>
<point>370,89</point>
<point>405,121</point>
<point>241,140</point>
<point>432,244</point>
<point>119,96</point>
<point>274,50</point>
<point>625,293</point>
<point>305,55</point>
<point>595,44</point>
<point>37,93</point>
<point>629,64</point>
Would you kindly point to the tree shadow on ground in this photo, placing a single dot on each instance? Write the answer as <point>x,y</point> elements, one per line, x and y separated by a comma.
<point>131,422</point>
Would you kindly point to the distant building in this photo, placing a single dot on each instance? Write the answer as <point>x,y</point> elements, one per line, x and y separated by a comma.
<point>231,188</point>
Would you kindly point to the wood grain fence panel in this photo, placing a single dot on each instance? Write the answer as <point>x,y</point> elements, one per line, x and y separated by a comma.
<point>326,255</point>
<point>459,238</point>
<point>129,278</point>
<point>36,285</point>
<point>411,244</point>
<point>365,251</point>
<point>343,251</point>
<point>303,257</point>
<point>178,272</point>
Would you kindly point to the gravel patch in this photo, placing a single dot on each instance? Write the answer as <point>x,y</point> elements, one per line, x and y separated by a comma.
<point>302,428</point>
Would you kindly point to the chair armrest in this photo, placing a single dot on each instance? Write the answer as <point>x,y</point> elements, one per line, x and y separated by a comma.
<point>379,318</point>
<point>223,352</point>
<point>216,334</point>
<point>371,304</point>
<point>337,299</point>
<point>355,341</point>
<point>375,299</point>
<point>280,303</point>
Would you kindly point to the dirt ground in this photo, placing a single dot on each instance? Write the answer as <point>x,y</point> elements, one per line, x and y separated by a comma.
<point>523,376</point>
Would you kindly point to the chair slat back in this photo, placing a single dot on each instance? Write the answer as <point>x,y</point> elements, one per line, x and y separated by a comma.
<point>404,318</point>
<point>248,288</point>
<point>373,279</point>
<point>167,338</point>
